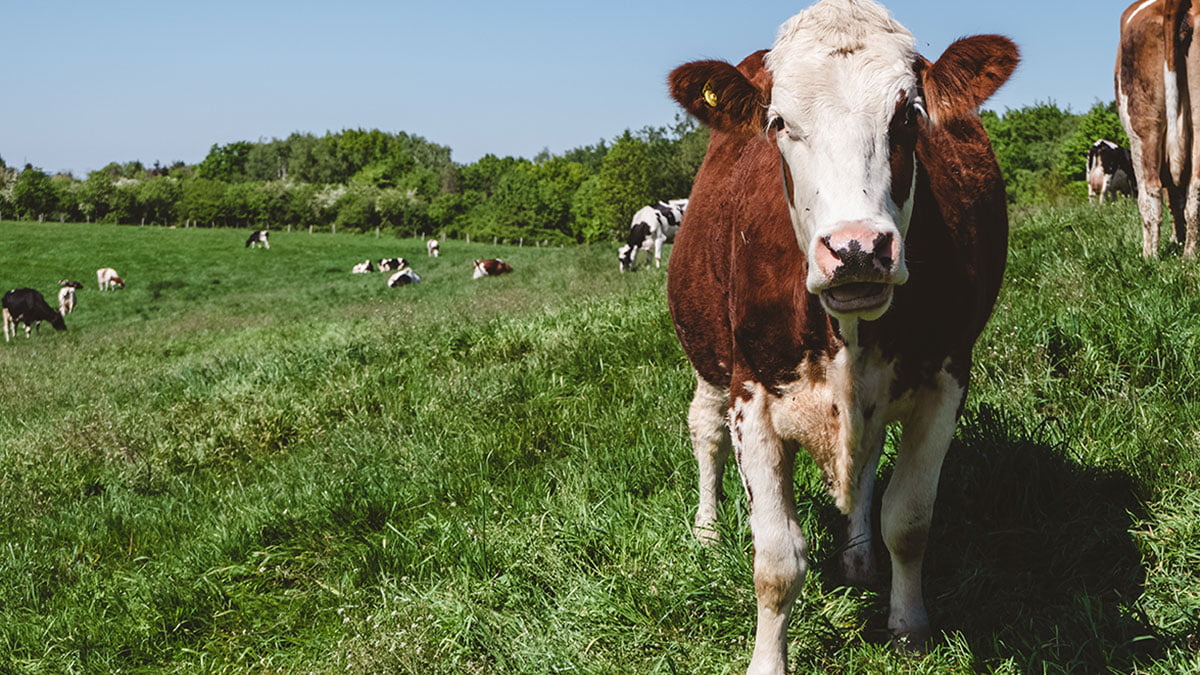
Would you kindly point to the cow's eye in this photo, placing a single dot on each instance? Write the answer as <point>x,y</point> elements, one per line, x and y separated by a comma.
<point>776,124</point>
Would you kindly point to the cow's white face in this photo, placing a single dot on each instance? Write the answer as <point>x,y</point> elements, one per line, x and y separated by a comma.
<point>843,111</point>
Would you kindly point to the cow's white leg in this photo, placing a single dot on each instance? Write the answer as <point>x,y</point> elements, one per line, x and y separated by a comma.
<point>1191,231</point>
<point>8,325</point>
<point>658,247</point>
<point>779,548</point>
<point>908,501</point>
<point>711,445</point>
<point>1150,207</point>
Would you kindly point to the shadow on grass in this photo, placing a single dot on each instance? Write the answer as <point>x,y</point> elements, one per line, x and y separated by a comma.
<point>1030,556</point>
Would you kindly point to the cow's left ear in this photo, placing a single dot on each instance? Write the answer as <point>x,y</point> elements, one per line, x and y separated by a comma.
<point>718,95</point>
<point>967,74</point>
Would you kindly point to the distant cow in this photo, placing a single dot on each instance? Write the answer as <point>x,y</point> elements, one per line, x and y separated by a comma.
<point>404,277</point>
<point>652,226</point>
<point>258,239</point>
<point>107,279</point>
<point>392,264</point>
<point>27,306</point>
<point>66,296</point>
<point>1109,171</point>
<point>1157,63</point>
<point>432,247</point>
<point>846,240</point>
<point>491,267</point>
<point>364,267</point>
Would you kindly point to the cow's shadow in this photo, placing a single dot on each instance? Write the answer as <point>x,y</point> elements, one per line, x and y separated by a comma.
<point>1030,556</point>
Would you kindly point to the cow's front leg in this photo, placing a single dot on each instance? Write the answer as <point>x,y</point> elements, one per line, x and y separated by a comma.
<point>710,443</point>
<point>859,565</point>
<point>658,247</point>
<point>766,465</point>
<point>908,502</point>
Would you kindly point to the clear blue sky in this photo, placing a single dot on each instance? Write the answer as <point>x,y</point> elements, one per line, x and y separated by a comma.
<point>86,83</point>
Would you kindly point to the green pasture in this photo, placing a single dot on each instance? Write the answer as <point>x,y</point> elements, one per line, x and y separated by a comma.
<point>255,461</point>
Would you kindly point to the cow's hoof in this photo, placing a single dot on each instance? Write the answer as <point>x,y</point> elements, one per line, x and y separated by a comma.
<point>911,642</point>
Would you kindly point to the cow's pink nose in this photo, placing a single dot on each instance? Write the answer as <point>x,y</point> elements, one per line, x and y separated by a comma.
<point>857,252</point>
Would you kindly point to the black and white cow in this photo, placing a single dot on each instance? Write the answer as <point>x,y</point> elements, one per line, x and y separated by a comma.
<point>27,306</point>
<point>66,296</point>
<point>1109,171</point>
<point>258,239</point>
<point>392,264</point>
<point>404,277</point>
<point>433,248</point>
<point>364,267</point>
<point>652,226</point>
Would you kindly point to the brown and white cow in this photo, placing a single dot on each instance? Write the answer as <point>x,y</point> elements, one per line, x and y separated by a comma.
<point>819,308</point>
<point>1157,76</point>
<point>108,279</point>
<point>490,267</point>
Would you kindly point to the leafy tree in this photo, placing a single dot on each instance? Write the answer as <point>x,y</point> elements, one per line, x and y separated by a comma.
<point>626,183</point>
<point>157,198</point>
<point>34,195</point>
<point>226,162</point>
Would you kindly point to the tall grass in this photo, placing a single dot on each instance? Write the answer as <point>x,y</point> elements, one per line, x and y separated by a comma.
<point>255,461</point>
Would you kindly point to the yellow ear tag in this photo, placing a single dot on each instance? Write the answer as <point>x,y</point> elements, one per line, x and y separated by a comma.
<point>710,96</point>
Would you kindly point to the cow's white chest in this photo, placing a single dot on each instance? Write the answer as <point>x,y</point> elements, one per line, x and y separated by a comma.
<point>837,409</point>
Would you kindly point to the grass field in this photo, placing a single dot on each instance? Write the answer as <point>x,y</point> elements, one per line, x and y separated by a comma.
<point>255,461</point>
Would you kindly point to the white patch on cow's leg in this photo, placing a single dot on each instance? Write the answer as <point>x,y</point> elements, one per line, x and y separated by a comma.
<point>1150,207</point>
<point>711,446</point>
<point>908,502</point>
<point>1191,219</point>
<point>9,325</point>
<point>779,548</point>
<point>658,247</point>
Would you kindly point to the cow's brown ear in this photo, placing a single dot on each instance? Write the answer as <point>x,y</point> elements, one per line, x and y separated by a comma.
<point>718,95</point>
<point>967,74</point>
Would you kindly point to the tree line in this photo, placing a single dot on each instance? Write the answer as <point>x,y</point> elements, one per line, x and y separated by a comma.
<point>359,180</point>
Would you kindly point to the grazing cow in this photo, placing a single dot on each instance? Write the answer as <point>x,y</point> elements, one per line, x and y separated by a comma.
<point>1157,59</point>
<point>107,279</point>
<point>27,306</point>
<point>364,267</point>
<point>392,264</point>
<point>820,308</point>
<point>490,268</point>
<point>1109,171</point>
<point>652,227</point>
<point>66,296</point>
<point>404,277</point>
<point>433,248</point>
<point>258,239</point>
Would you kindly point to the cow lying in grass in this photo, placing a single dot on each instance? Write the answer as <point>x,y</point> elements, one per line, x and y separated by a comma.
<point>392,264</point>
<point>364,267</point>
<point>403,277</point>
<point>27,306</point>
<point>491,267</point>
